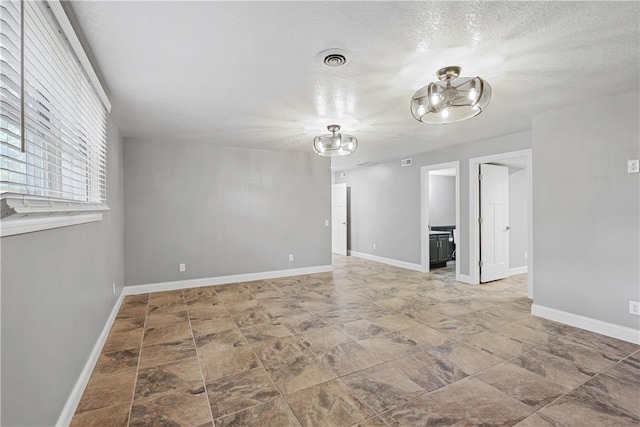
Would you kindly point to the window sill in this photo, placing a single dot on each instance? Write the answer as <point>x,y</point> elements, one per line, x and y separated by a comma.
<point>29,225</point>
<point>21,215</point>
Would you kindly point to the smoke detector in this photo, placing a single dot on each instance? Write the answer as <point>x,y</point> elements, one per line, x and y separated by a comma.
<point>334,58</point>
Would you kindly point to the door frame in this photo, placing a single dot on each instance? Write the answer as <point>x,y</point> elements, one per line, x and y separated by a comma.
<point>424,211</point>
<point>474,211</point>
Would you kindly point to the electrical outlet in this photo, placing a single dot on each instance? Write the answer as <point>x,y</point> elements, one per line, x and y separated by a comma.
<point>374,246</point>
<point>326,222</point>
<point>633,166</point>
<point>634,307</point>
<point>290,257</point>
<point>183,268</point>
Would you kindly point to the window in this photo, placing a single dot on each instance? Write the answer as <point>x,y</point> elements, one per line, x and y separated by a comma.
<point>53,120</point>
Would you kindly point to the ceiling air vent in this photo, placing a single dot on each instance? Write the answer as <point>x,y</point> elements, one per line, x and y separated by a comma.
<point>334,58</point>
<point>406,162</point>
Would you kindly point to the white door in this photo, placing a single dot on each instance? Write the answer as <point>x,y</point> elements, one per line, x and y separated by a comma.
<point>339,218</point>
<point>494,222</point>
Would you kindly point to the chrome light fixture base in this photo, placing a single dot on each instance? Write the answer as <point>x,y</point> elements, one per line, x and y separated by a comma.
<point>335,144</point>
<point>451,99</point>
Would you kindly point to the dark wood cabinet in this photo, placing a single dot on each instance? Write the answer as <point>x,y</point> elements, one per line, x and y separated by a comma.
<point>439,249</point>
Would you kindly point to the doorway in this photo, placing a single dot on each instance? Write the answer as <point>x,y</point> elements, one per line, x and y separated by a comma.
<point>495,231</point>
<point>519,166</point>
<point>339,218</point>
<point>438,219</point>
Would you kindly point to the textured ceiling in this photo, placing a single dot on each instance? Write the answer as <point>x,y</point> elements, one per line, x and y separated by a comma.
<point>247,74</point>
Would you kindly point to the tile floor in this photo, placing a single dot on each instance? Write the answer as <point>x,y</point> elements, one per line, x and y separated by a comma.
<point>366,345</point>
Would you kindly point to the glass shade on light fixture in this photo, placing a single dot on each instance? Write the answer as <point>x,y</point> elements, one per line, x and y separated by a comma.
<point>334,144</point>
<point>451,99</point>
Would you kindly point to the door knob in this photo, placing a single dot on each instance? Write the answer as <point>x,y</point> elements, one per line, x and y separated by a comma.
<point>507,228</point>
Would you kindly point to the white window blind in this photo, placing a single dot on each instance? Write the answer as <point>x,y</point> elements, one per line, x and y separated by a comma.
<point>52,123</point>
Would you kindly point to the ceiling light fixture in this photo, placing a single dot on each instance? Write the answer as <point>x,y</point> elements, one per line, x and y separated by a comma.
<point>452,99</point>
<point>335,144</point>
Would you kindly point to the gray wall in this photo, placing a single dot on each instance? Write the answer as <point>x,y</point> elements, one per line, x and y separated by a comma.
<point>56,298</point>
<point>385,200</point>
<point>518,236</point>
<point>586,209</point>
<point>222,211</point>
<point>442,200</point>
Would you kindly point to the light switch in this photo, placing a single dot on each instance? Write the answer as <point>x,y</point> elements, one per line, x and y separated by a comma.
<point>326,222</point>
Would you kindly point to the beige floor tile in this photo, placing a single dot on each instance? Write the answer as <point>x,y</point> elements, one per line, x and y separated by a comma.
<point>576,409</point>
<point>424,336</point>
<point>166,352</point>
<point>126,333</point>
<point>184,407</point>
<point>219,341</point>
<point>112,416</point>
<point>328,404</point>
<point>372,422</point>
<point>528,388</point>
<point>554,329</point>
<point>160,318</point>
<point>621,394</point>
<point>240,391</point>
<point>227,362</point>
<point>168,376</point>
<point>555,369</point>
<point>366,344</point>
<point>273,351</point>
<point>361,329</point>
<point>429,371</point>
<point>107,390</point>
<point>134,310</point>
<point>275,413</point>
<point>349,357</point>
<point>498,345</point>
<point>383,387</point>
<point>529,337</point>
<point>465,356</point>
<point>201,326</point>
<point>396,322</point>
<point>535,420</point>
<point>390,346</point>
<point>117,361</point>
<point>302,323</point>
<point>166,333</point>
<point>264,331</point>
<point>234,293</point>
<point>300,372</point>
<point>322,340</point>
<point>468,402</point>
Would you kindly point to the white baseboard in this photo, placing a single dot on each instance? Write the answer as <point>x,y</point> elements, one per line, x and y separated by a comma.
<point>223,280</point>
<point>518,270</point>
<point>389,261</point>
<point>594,325</point>
<point>76,394</point>
<point>465,278</point>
